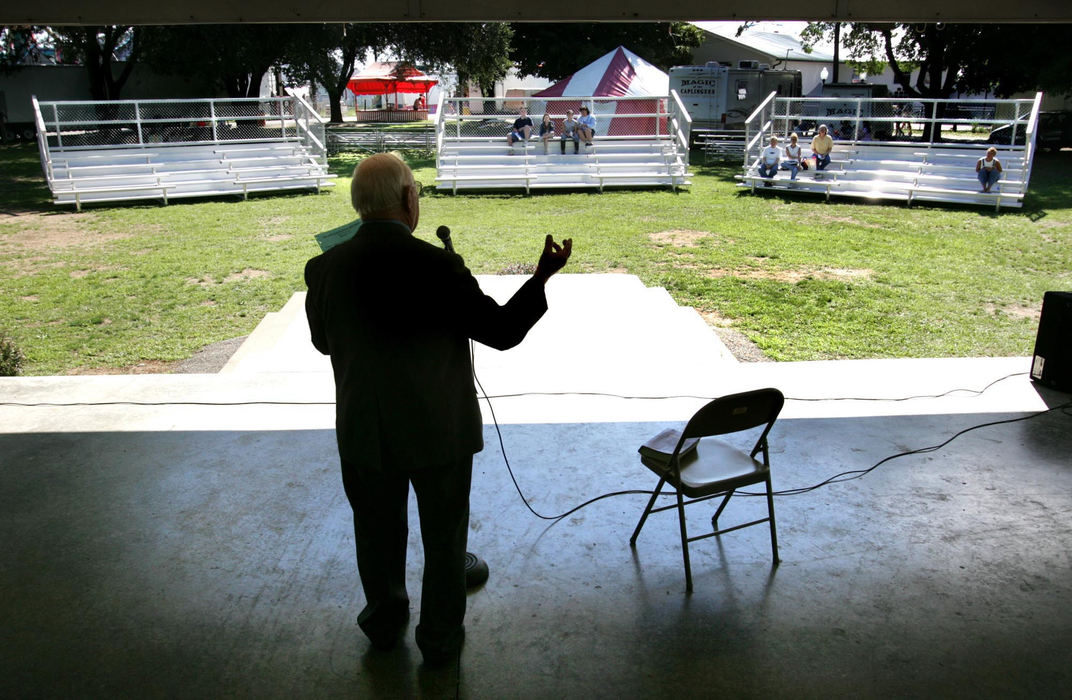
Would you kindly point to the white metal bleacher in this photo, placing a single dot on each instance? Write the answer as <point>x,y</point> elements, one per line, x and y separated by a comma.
<point>647,145</point>
<point>901,170</point>
<point>94,152</point>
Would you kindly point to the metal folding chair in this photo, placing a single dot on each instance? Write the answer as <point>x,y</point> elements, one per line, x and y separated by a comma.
<point>715,468</point>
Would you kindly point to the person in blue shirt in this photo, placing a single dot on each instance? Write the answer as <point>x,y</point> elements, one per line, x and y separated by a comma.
<point>587,126</point>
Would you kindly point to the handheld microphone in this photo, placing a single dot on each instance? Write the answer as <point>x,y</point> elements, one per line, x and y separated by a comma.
<point>444,235</point>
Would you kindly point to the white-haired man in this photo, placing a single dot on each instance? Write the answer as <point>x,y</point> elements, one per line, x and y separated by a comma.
<point>395,314</point>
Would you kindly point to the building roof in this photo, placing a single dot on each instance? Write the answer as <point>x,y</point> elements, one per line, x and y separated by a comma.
<point>779,40</point>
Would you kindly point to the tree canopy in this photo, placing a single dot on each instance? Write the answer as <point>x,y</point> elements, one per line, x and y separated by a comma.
<point>233,56</point>
<point>479,52</point>
<point>556,50</point>
<point>999,58</point>
<point>327,54</point>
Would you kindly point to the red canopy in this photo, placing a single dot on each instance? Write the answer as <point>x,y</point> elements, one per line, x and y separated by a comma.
<point>386,79</point>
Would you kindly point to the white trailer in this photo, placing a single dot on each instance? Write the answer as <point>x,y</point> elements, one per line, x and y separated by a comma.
<point>719,97</point>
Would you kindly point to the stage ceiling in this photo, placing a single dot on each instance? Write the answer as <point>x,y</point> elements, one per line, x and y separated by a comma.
<point>225,11</point>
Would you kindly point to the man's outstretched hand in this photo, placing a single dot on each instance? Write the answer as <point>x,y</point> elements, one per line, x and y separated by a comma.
<point>553,258</point>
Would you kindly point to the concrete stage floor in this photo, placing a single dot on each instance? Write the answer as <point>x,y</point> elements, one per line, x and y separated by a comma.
<point>201,546</point>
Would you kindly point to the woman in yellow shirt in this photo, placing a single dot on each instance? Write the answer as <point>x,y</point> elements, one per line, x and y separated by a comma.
<point>821,146</point>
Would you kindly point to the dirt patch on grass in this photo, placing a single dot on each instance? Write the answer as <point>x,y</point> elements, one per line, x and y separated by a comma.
<point>24,267</point>
<point>145,367</point>
<point>245,275</point>
<point>793,276</point>
<point>278,238</point>
<point>735,341</point>
<point>831,219</point>
<point>681,238</point>
<point>517,269</point>
<point>49,232</point>
<point>1015,311</point>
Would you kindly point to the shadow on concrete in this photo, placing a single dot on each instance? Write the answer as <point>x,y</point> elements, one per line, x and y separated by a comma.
<point>194,564</point>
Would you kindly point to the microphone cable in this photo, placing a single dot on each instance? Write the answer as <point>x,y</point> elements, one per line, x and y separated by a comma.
<point>510,470</point>
<point>835,479</point>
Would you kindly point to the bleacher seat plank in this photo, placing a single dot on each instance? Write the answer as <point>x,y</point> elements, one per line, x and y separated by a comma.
<point>908,173</point>
<point>113,174</point>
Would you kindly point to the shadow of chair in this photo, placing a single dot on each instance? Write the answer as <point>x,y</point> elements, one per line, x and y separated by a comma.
<point>702,467</point>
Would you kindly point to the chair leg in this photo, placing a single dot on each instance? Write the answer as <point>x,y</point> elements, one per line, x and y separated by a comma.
<point>773,527</point>
<point>721,507</point>
<point>684,542</point>
<point>644,516</point>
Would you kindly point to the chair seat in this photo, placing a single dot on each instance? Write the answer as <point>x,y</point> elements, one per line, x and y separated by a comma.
<point>715,466</point>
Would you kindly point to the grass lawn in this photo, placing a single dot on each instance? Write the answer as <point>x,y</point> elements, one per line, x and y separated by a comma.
<point>134,287</point>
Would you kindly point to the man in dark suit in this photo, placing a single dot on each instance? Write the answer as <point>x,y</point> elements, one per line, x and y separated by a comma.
<point>396,314</point>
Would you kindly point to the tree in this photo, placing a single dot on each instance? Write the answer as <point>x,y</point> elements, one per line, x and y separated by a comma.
<point>19,45</point>
<point>479,52</point>
<point>326,54</point>
<point>1019,58</point>
<point>1000,58</point>
<point>234,57</point>
<point>100,49</point>
<point>554,51</point>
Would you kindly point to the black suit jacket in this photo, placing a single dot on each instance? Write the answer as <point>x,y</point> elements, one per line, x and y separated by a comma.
<point>395,314</point>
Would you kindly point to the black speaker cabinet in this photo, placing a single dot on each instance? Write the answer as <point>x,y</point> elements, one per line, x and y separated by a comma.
<point>1052,364</point>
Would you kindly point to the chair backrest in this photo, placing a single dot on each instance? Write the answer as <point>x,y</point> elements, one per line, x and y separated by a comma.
<point>736,412</point>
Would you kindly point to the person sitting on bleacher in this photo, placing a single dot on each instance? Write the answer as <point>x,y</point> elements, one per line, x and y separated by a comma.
<point>521,131</point>
<point>793,156</point>
<point>821,146</point>
<point>571,129</point>
<point>768,161</point>
<point>588,126</point>
<point>988,169</point>
<point>547,131</point>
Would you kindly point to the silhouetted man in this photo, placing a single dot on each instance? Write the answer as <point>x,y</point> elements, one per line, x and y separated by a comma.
<point>396,314</point>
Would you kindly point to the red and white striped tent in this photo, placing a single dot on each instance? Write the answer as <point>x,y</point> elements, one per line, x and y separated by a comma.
<point>620,73</point>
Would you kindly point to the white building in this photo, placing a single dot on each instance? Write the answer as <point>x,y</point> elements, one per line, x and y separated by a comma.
<point>778,45</point>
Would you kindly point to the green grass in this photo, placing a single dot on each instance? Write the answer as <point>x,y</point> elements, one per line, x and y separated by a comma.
<point>113,287</point>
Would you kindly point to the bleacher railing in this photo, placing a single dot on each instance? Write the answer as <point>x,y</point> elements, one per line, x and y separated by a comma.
<point>1030,136</point>
<point>680,124</point>
<point>311,127</point>
<point>926,133</point>
<point>476,119</point>
<point>88,125</point>
<point>1009,124</point>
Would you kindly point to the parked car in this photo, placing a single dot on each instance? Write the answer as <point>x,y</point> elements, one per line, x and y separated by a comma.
<point>1054,131</point>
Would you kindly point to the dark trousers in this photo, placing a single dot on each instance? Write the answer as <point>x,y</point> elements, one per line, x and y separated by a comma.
<point>379,500</point>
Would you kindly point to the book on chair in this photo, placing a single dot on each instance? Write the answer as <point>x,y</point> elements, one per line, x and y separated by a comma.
<point>661,447</point>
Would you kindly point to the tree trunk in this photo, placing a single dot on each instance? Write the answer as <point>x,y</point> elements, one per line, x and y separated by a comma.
<point>335,101</point>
